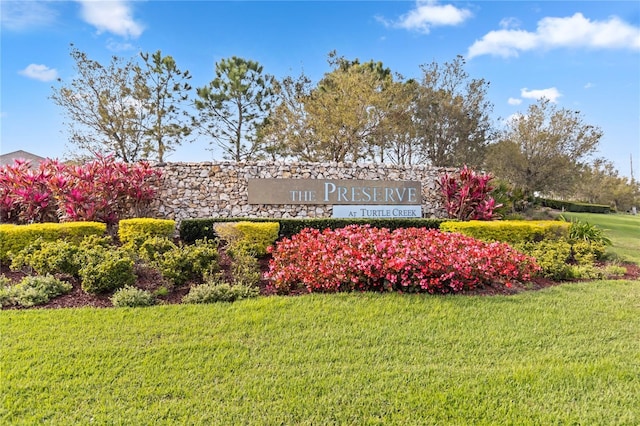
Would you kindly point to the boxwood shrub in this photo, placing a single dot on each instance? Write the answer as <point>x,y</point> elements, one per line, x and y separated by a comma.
<point>196,229</point>
<point>136,231</point>
<point>14,238</point>
<point>105,270</point>
<point>510,231</point>
<point>249,238</point>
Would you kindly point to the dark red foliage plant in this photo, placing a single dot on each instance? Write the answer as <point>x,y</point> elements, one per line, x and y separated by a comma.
<point>103,190</point>
<point>467,195</point>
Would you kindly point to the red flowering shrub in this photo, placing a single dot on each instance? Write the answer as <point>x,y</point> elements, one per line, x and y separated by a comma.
<point>103,190</point>
<point>467,195</point>
<point>408,260</point>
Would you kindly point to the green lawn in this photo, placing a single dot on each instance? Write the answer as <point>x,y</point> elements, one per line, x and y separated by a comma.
<point>565,355</point>
<point>624,231</point>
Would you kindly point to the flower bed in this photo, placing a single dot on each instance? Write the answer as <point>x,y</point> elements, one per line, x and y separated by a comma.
<point>409,260</point>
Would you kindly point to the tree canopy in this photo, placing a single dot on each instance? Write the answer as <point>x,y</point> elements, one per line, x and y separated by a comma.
<point>163,90</point>
<point>232,107</point>
<point>103,115</point>
<point>144,107</point>
<point>126,109</point>
<point>544,149</point>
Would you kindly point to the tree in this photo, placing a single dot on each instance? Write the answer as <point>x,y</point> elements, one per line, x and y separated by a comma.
<point>232,107</point>
<point>396,141</point>
<point>452,115</point>
<point>103,114</point>
<point>544,149</point>
<point>337,120</point>
<point>346,111</point>
<point>161,90</point>
<point>600,183</point>
<point>285,133</point>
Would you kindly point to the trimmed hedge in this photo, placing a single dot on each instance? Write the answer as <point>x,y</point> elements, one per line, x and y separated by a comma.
<point>248,237</point>
<point>572,206</point>
<point>196,229</point>
<point>14,238</point>
<point>138,230</point>
<point>510,231</point>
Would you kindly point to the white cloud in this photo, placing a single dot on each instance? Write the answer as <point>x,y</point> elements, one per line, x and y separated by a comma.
<point>116,46</point>
<point>514,101</point>
<point>552,94</point>
<point>40,72</point>
<point>113,16</point>
<point>24,15</point>
<point>428,14</point>
<point>571,32</point>
<point>511,22</point>
<point>589,85</point>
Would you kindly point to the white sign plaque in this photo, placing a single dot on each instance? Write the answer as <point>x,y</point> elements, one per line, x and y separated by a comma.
<point>378,212</point>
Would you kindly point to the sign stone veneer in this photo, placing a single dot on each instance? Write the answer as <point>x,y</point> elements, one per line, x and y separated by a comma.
<point>220,189</point>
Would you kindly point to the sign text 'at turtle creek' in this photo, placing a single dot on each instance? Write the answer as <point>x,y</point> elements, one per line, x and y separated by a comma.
<point>334,192</point>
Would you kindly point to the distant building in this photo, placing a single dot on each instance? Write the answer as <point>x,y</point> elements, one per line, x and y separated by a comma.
<point>9,157</point>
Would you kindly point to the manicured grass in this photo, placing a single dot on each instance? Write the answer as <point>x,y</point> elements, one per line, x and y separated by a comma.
<point>622,229</point>
<point>565,355</point>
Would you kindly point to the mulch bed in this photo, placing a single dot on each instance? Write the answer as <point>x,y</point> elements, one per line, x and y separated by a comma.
<point>150,279</point>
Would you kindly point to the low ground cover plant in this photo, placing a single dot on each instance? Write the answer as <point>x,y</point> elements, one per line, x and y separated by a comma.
<point>412,259</point>
<point>132,297</point>
<point>32,290</point>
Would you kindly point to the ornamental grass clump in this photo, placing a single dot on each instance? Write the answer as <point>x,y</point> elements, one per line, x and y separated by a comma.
<point>360,258</point>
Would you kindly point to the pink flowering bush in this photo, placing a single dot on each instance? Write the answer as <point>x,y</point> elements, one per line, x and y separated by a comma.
<point>359,258</point>
<point>24,193</point>
<point>467,195</point>
<point>103,190</point>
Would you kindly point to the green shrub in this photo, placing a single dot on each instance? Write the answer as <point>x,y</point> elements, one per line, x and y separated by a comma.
<point>245,270</point>
<point>196,229</point>
<point>132,297</point>
<point>33,290</point>
<point>248,237</point>
<point>551,256</point>
<point>510,231</point>
<point>586,253</point>
<point>14,238</point>
<point>49,257</point>
<point>585,272</point>
<point>611,271</point>
<point>154,248</point>
<point>219,292</point>
<point>189,262</point>
<point>93,241</point>
<point>256,237</point>
<point>5,291</point>
<point>136,231</point>
<point>572,206</point>
<point>105,270</point>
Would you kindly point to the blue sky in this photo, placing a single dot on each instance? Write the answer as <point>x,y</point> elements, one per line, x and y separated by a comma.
<point>583,55</point>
